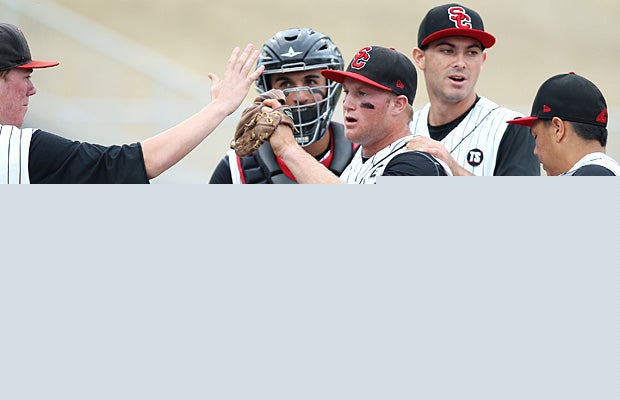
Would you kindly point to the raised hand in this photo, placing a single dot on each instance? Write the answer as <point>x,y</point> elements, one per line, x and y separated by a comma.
<point>231,89</point>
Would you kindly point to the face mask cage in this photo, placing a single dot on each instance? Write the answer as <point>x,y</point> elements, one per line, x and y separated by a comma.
<point>311,119</point>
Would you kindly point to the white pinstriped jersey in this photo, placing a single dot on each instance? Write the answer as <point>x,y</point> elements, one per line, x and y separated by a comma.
<point>14,151</point>
<point>597,158</point>
<point>362,172</point>
<point>474,143</point>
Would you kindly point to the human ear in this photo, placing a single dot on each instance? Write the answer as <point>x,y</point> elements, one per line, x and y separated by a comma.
<point>400,103</point>
<point>418,57</point>
<point>559,129</point>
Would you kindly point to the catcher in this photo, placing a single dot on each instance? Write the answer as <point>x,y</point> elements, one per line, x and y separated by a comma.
<point>293,59</point>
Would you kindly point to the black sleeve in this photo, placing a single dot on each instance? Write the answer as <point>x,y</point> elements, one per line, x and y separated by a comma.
<point>221,174</point>
<point>54,159</point>
<point>515,156</point>
<point>413,163</point>
<point>593,170</point>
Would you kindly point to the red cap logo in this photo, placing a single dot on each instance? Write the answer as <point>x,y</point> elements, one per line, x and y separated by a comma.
<point>361,58</point>
<point>546,108</point>
<point>400,84</point>
<point>602,117</point>
<point>460,17</point>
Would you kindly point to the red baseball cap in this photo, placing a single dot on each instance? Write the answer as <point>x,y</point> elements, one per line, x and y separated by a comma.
<point>14,50</point>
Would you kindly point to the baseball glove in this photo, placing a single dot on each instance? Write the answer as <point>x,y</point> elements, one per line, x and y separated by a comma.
<point>256,125</point>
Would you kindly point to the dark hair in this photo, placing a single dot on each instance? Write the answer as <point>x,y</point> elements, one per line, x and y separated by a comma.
<point>591,132</point>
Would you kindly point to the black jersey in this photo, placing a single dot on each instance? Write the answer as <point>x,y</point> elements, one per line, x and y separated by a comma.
<point>54,159</point>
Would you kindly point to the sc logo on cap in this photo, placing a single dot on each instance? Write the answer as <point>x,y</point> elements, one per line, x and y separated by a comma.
<point>461,19</point>
<point>361,58</point>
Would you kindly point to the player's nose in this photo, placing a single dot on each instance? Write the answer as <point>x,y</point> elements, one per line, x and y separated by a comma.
<point>459,61</point>
<point>32,90</point>
<point>347,104</point>
<point>304,96</point>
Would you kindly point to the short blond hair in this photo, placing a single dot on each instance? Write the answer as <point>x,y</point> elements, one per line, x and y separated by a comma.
<point>409,113</point>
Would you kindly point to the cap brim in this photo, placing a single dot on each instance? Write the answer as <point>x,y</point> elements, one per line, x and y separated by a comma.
<point>340,76</point>
<point>525,121</point>
<point>38,64</point>
<point>485,38</point>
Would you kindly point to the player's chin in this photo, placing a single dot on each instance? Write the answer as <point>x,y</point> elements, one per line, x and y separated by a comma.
<point>456,95</point>
<point>351,133</point>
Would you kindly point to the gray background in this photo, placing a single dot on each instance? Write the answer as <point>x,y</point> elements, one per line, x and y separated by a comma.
<point>158,293</point>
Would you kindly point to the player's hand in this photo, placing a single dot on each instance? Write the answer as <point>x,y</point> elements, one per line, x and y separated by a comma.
<point>231,89</point>
<point>430,146</point>
<point>282,138</point>
<point>437,150</point>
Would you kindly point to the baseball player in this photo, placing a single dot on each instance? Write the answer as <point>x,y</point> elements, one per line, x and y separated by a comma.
<point>467,131</point>
<point>569,124</point>
<point>293,59</point>
<point>379,86</point>
<point>35,156</point>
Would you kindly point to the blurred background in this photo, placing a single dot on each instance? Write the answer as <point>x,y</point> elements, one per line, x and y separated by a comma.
<point>129,70</point>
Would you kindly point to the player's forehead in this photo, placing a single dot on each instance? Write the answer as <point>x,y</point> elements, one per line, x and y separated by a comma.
<point>298,76</point>
<point>456,41</point>
<point>20,71</point>
<point>353,85</point>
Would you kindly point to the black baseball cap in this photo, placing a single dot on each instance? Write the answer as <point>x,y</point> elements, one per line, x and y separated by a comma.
<point>14,50</point>
<point>453,20</point>
<point>569,97</point>
<point>381,67</point>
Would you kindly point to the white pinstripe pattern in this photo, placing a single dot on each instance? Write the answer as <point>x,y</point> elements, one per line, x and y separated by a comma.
<point>14,151</point>
<point>482,129</point>
<point>366,172</point>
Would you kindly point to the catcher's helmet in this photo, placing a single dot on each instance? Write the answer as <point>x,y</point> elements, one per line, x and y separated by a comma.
<point>301,49</point>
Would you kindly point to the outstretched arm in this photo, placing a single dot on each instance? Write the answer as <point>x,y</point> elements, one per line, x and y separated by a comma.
<point>167,148</point>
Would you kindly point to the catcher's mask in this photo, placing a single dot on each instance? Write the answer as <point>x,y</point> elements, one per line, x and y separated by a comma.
<point>301,49</point>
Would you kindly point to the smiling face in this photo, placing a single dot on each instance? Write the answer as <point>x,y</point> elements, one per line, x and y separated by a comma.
<point>451,68</point>
<point>15,90</point>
